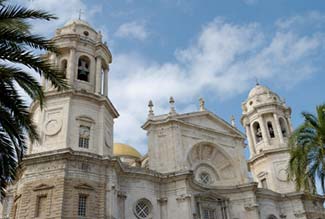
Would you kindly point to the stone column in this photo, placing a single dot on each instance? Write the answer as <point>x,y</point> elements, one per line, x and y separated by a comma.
<point>121,203</point>
<point>71,66</point>
<point>288,123</point>
<point>98,73</point>
<point>264,131</point>
<point>278,127</point>
<point>250,141</point>
<point>105,82</point>
<point>163,208</point>
<point>184,206</point>
<point>254,136</point>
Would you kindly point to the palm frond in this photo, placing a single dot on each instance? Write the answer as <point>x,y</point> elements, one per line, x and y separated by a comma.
<point>20,25</point>
<point>9,36</point>
<point>307,152</point>
<point>15,109</point>
<point>37,63</point>
<point>15,11</point>
<point>28,83</point>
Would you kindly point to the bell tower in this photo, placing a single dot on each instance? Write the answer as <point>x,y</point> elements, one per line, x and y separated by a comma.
<point>267,122</point>
<point>80,118</point>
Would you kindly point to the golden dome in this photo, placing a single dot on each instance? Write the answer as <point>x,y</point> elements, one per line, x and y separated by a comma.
<point>121,150</point>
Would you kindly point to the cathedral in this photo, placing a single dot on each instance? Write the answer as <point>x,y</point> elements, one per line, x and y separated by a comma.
<point>195,167</point>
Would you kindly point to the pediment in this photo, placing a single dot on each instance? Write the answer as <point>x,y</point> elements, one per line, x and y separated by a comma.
<point>84,186</point>
<point>210,121</point>
<point>42,187</point>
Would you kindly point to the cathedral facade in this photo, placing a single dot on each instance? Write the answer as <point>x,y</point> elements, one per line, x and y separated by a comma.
<point>195,167</point>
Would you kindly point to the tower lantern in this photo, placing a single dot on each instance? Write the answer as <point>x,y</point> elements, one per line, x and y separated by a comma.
<point>267,122</point>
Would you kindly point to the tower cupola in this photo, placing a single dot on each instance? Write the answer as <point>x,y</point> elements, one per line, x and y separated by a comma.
<point>266,119</point>
<point>82,56</point>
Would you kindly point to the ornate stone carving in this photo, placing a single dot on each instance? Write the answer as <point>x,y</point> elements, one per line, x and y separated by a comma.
<point>52,126</point>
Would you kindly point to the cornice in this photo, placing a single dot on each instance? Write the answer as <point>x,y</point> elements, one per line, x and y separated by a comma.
<point>85,95</point>
<point>265,153</point>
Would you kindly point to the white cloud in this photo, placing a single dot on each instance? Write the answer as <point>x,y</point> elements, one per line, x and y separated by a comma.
<point>221,63</point>
<point>70,11</point>
<point>311,19</point>
<point>134,29</point>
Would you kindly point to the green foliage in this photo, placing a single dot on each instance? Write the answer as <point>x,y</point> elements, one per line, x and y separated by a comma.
<point>17,46</point>
<point>307,151</point>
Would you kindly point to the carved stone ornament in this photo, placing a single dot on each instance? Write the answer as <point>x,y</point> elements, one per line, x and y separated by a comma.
<point>282,175</point>
<point>53,126</point>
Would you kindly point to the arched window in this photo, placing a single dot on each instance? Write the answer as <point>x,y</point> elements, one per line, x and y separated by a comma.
<point>270,129</point>
<point>283,127</point>
<point>83,68</point>
<point>64,66</point>
<point>257,132</point>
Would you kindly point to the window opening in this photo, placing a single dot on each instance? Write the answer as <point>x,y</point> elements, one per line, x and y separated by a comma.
<point>271,130</point>
<point>205,178</point>
<point>142,209</point>
<point>64,66</point>
<point>83,69</point>
<point>41,206</point>
<point>209,213</point>
<point>258,132</point>
<point>263,183</point>
<point>82,205</point>
<point>84,136</point>
<point>283,128</point>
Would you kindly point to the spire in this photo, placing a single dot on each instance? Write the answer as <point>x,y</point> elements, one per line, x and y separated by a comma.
<point>202,108</point>
<point>150,106</point>
<point>257,83</point>
<point>80,12</point>
<point>172,106</point>
<point>232,120</point>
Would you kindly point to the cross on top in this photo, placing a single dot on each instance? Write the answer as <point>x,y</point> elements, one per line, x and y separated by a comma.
<point>257,82</point>
<point>80,12</point>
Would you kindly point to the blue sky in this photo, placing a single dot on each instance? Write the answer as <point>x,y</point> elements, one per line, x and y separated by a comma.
<point>202,48</point>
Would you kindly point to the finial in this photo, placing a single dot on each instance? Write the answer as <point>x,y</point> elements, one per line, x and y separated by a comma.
<point>150,106</point>
<point>202,108</point>
<point>99,36</point>
<point>233,124</point>
<point>257,83</point>
<point>80,13</point>
<point>172,105</point>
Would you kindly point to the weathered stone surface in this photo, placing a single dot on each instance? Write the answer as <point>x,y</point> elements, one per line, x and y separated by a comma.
<point>195,166</point>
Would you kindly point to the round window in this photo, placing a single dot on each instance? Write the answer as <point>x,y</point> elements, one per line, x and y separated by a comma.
<point>205,178</point>
<point>142,209</point>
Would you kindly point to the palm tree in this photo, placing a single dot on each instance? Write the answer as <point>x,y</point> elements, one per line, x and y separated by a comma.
<point>307,151</point>
<point>18,52</point>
